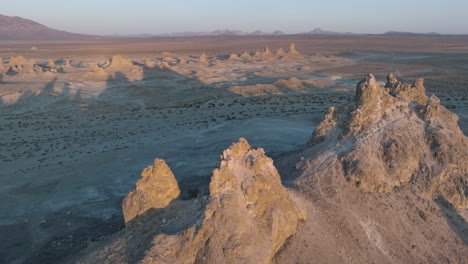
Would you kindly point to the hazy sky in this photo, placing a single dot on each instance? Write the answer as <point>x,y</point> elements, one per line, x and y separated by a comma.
<point>291,16</point>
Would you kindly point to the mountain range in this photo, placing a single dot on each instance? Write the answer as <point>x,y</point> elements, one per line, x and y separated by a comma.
<point>13,28</point>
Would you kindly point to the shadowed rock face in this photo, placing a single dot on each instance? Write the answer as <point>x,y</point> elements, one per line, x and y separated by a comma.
<point>247,219</point>
<point>156,189</point>
<point>389,139</point>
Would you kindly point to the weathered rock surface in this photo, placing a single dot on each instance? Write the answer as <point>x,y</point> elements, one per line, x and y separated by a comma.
<point>323,128</point>
<point>156,189</point>
<point>415,92</point>
<point>247,220</point>
<point>390,140</point>
<point>380,181</point>
<point>386,180</point>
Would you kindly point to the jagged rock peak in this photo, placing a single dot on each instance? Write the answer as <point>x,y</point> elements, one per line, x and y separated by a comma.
<point>247,220</point>
<point>203,58</point>
<point>266,52</point>
<point>387,141</point>
<point>292,49</point>
<point>415,92</point>
<point>156,189</point>
<point>328,123</point>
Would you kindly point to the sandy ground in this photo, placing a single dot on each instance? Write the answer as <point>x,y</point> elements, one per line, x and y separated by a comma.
<point>74,142</point>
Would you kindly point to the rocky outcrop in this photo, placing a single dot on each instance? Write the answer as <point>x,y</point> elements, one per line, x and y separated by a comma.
<point>324,127</point>
<point>279,52</point>
<point>156,189</point>
<point>51,63</point>
<point>233,56</point>
<point>119,63</point>
<point>150,64</point>
<point>266,53</point>
<point>389,140</point>
<point>246,56</point>
<point>292,50</point>
<point>415,92</point>
<point>203,58</point>
<point>292,82</point>
<point>95,69</point>
<point>21,65</point>
<point>248,218</point>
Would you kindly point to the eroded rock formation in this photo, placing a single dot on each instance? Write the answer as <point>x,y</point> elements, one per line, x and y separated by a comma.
<point>389,140</point>
<point>247,220</point>
<point>379,181</point>
<point>119,63</point>
<point>21,65</point>
<point>203,58</point>
<point>292,50</point>
<point>415,92</point>
<point>156,189</point>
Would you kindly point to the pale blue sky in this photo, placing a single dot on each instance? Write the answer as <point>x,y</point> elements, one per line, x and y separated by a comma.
<point>291,16</point>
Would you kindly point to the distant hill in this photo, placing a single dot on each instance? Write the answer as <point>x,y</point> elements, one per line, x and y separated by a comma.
<point>319,31</point>
<point>400,33</point>
<point>20,29</point>
<point>225,32</point>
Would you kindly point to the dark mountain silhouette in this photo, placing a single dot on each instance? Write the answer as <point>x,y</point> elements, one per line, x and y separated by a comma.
<point>20,29</point>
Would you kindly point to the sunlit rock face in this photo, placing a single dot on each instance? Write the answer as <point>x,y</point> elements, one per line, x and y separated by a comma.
<point>248,218</point>
<point>156,189</point>
<point>395,137</point>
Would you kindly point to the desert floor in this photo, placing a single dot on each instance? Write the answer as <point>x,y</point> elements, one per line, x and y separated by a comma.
<point>73,142</point>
